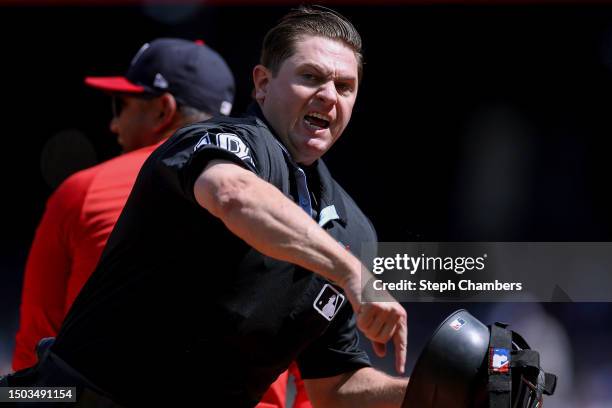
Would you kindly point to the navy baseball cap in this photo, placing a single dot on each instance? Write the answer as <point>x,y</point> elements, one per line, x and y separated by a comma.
<point>192,72</point>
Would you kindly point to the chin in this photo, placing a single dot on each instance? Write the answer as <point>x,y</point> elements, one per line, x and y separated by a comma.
<point>311,154</point>
<point>319,146</point>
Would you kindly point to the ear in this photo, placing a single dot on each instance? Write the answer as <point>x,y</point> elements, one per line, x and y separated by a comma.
<point>261,80</point>
<point>166,112</point>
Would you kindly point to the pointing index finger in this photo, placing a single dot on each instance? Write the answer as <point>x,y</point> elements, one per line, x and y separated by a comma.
<point>400,341</point>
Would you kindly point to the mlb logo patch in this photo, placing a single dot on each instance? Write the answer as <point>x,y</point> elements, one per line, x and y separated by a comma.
<point>457,323</point>
<point>499,360</point>
<point>328,302</point>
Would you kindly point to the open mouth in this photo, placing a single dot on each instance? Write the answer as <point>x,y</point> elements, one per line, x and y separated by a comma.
<point>317,121</point>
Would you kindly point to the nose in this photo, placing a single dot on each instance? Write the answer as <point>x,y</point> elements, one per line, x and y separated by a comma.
<point>114,125</point>
<point>327,93</point>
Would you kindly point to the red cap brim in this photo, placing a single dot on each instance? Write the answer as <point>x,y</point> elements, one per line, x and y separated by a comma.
<point>113,84</point>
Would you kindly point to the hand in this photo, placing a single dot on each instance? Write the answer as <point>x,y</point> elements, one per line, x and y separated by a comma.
<point>380,321</point>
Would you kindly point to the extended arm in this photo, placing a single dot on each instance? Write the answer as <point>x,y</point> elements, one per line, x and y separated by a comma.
<point>365,387</point>
<point>262,216</point>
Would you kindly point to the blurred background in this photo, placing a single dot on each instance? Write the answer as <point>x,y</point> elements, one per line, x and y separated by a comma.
<point>474,123</point>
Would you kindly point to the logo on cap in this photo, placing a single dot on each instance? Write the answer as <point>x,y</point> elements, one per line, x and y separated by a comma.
<point>160,81</point>
<point>226,108</point>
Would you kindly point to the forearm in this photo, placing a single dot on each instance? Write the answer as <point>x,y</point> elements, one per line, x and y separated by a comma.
<point>366,387</point>
<point>263,217</point>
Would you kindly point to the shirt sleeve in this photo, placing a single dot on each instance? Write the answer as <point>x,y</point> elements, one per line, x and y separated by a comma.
<point>184,157</point>
<point>336,352</point>
<point>301,396</point>
<point>47,271</point>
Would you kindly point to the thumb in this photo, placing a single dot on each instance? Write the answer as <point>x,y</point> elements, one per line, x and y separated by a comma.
<point>379,348</point>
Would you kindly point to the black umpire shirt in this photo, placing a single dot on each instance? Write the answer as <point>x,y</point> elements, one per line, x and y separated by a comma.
<point>180,309</point>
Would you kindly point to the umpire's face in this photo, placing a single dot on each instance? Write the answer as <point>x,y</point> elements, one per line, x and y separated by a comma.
<point>310,99</point>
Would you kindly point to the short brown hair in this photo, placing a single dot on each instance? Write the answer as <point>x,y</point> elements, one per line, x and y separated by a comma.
<point>279,42</point>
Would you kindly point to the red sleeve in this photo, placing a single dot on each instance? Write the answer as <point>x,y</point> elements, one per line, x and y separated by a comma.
<point>301,397</point>
<point>48,269</point>
<point>276,395</point>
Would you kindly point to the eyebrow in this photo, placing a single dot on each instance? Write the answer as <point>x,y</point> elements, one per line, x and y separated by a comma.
<point>325,72</point>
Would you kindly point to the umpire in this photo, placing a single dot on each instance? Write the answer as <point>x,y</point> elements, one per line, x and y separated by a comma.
<point>232,257</point>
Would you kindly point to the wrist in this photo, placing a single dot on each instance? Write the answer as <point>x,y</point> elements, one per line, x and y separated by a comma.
<point>351,281</point>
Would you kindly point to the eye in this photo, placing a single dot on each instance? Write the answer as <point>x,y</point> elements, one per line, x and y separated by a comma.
<point>118,103</point>
<point>344,88</point>
<point>309,77</point>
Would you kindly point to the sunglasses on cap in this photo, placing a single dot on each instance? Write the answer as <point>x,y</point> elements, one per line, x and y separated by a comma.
<point>118,102</point>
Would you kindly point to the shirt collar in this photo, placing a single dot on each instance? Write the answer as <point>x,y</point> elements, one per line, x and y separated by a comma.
<point>255,110</point>
<point>330,192</point>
